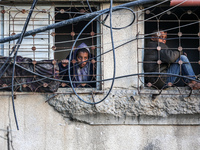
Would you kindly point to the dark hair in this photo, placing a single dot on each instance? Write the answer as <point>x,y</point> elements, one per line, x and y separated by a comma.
<point>82,50</point>
<point>156,33</point>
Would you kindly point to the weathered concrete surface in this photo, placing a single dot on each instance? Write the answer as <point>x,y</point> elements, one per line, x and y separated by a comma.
<point>127,55</point>
<point>125,120</point>
<point>127,107</point>
<point>43,128</point>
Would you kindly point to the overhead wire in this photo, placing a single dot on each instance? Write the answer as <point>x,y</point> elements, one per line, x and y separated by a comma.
<point>93,81</point>
<point>73,20</point>
<point>15,49</point>
<point>162,12</point>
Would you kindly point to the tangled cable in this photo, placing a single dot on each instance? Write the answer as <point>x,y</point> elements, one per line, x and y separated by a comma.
<point>113,49</point>
<point>109,13</point>
<point>15,50</point>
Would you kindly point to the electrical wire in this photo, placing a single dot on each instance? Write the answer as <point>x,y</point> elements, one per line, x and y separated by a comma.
<point>45,77</point>
<point>75,65</point>
<point>102,22</point>
<point>113,73</point>
<point>162,12</point>
<point>15,56</point>
<point>73,20</point>
<point>104,80</point>
<point>69,73</point>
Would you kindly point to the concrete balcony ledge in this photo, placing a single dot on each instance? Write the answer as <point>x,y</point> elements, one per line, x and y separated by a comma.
<point>126,106</point>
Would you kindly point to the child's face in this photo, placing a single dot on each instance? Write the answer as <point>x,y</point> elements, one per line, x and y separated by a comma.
<point>81,57</point>
<point>162,37</point>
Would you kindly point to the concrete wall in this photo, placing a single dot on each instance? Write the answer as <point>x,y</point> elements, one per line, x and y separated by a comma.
<point>43,128</point>
<point>125,120</point>
<point>126,56</point>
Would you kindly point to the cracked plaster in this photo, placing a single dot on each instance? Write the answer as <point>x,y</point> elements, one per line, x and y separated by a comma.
<point>125,103</point>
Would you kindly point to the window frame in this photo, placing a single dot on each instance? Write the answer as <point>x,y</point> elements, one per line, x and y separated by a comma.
<point>98,50</point>
<point>143,89</point>
<point>51,41</point>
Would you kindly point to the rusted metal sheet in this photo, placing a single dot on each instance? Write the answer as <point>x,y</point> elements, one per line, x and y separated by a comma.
<point>57,1</point>
<point>185,3</point>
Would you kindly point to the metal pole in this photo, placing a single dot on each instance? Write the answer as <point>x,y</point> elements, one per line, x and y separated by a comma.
<point>2,31</point>
<point>75,20</point>
<point>98,71</point>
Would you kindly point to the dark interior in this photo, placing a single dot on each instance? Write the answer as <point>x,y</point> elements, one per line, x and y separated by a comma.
<point>64,33</point>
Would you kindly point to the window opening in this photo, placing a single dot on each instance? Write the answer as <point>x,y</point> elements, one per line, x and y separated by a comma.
<point>180,36</point>
<point>65,36</point>
<point>40,50</point>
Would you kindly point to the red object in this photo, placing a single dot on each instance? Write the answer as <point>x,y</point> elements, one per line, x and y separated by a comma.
<point>186,3</point>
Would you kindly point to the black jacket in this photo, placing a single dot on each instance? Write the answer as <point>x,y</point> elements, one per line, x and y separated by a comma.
<point>151,57</point>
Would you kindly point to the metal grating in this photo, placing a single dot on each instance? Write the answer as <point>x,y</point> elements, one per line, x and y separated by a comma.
<point>53,45</point>
<point>183,32</point>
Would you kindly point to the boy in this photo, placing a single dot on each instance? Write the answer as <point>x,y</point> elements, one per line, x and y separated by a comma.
<point>81,68</point>
<point>165,60</point>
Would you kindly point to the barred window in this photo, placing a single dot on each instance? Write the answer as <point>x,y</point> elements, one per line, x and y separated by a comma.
<point>36,46</point>
<point>54,44</point>
<point>65,37</point>
<point>181,25</point>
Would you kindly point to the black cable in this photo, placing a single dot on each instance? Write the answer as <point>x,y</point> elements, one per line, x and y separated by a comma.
<point>74,20</point>
<point>89,6</point>
<point>69,73</point>
<point>95,81</point>
<point>102,22</point>
<point>104,80</point>
<point>75,65</point>
<point>129,42</point>
<point>44,77</point>
<point>15,56</point>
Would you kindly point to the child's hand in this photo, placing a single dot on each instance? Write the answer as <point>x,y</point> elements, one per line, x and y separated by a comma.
<point>83,84</point>
<point>65,62</point>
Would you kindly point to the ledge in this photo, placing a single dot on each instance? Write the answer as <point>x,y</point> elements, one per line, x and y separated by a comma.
<point>125,106</point>
<point>103,119</point>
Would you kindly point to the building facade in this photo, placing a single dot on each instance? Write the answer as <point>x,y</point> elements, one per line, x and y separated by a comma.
<point>130,114</point>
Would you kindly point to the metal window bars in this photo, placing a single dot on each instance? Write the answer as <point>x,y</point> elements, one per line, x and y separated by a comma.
<point>183,31</point>
<point>52,44</point>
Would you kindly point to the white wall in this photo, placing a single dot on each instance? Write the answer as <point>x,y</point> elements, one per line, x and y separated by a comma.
<point>126,56</point>
<point>42,128</point>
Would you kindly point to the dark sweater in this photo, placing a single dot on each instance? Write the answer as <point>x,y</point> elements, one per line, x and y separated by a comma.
<point>152,55</point>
